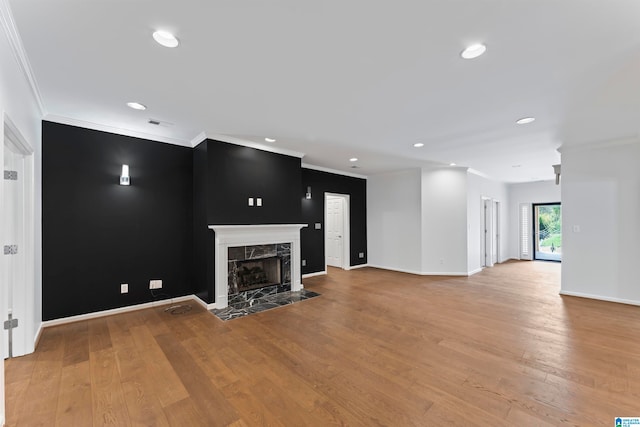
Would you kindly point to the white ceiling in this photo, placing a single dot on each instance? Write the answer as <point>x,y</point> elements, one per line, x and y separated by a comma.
<point>340,79</point>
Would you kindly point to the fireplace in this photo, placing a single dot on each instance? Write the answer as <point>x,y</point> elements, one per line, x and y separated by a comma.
<point>254,274</point>
<point>249,257</point>
<point>259,266</point>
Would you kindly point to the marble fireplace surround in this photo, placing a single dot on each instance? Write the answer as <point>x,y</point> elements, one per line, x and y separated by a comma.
<point>227,236</point>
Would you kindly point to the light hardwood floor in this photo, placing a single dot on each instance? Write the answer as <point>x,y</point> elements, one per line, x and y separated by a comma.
<point>377,348</point>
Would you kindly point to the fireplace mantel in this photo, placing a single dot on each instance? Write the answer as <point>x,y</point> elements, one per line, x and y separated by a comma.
<point>227,236</point>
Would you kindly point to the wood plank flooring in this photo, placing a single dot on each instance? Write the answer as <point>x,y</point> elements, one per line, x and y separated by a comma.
<point>500,348</point>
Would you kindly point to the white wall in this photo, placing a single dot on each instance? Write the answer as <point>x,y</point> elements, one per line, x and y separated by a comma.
<point>530,192</point>
<point>477,189</point>
<point>393,220</point>
<point>18,101</point>
<point>600,215</point>
<point>428,221</point>
<point>444,221</point>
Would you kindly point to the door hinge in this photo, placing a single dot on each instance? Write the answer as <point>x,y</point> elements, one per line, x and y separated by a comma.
<point>11,175</point>
<point>10,249</point>
<point>10,324</point>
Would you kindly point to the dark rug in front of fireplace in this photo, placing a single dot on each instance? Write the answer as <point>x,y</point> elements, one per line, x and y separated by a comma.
<point>257,305</point>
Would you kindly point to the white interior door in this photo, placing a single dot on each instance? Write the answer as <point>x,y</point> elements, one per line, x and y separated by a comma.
<point>525,232</point>
<point>486,233</point>
<point>13,248</point>
<point>334,231</point>
<point>495,234</point>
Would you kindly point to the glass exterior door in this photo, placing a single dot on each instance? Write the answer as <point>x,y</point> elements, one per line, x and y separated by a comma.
<point>547,231</point>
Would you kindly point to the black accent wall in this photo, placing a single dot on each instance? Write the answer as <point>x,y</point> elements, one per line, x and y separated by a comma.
<point>225,177</point>
<point>98,234</point>
<point>237,173</point>
<point>312,245</point>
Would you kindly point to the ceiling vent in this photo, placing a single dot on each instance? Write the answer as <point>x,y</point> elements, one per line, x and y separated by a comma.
<point>157,122</point>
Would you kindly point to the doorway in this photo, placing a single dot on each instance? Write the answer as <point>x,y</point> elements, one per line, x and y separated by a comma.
<point>547,231</point>
<point>337,230</point>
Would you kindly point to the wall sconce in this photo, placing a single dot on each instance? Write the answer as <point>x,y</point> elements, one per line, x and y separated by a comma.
<point>124,176</point>
<point>308,195</point>
<point>556,170</point>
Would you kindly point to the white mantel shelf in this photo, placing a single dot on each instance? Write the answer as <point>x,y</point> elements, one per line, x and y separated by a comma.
<point>247,235</point>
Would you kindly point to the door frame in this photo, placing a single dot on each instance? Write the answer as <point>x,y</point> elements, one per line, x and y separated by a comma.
<point>346,241</point>
<point>13,137</point>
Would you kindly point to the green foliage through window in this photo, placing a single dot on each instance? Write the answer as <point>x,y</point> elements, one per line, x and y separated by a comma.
<point>550,226</point>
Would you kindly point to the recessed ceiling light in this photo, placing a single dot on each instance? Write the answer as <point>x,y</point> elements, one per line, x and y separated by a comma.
<point>270,140</point>
<point>418,144</point>
<point>473,51</point>
<point>452,164</point>
<point>165,38</point>
<point>136,106</point>
<point>353,159</point>
<point>525,120</point>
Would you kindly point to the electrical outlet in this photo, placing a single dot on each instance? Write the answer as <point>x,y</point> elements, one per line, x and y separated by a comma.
<point>304,262</point>
<point>441,260</point>
<point>258,201</point>
<point>155,284</point>
<point>250,201</point>
<point>361,255</point>
<point>124,288</point>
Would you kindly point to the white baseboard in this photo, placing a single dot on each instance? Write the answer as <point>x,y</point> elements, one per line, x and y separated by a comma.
<point>445,273</point>
<point>400,270</point>
<point>421,273</point>
<point>202,303</point>
<point>213,306</point>
<point>71,319</point>
<point>317,273</point>
<point>353,267</point>
<point>472,272</point>
<point>600,297</point>
<point>36,339</point>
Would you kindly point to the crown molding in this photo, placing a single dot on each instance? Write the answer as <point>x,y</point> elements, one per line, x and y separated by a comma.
<point>246,143</point>
<point>14,137</point>
<point>15,41</point>
<point>600,144</point>
<point>478,173</point>
<point>333,171</point>
<point>117,130</point>
<point>199,138</point>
